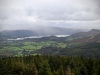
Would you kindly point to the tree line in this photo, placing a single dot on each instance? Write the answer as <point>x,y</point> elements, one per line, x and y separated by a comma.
<point>49,65</point>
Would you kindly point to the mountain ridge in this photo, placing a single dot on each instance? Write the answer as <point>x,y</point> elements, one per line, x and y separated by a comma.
<point>90,39</point>
<point>39,32</point>
<point>86,34</point>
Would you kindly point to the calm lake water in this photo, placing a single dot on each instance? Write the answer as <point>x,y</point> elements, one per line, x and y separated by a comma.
<point>38,37</point>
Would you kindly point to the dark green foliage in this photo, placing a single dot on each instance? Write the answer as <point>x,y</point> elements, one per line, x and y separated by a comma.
<point>49,65</point>
<point>87,50</point>
<point>44,68</point>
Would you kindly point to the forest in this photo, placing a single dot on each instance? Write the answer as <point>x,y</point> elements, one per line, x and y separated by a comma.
<point>49,65</point>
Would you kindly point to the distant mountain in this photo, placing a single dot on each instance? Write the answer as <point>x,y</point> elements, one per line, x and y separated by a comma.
<point>17,33</point>
<point>86,34</point>
<point>90,39</point>
<point>54,31</point>
<point>39,32</point>
<point>1,37</point>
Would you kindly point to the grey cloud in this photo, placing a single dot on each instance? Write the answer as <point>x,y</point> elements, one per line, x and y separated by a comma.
<point>23,13</point>
<point>87,9</point>
<point>67,13</point>
<point>1,27</point>
<point>29,10</point>
<point>4,15</point>
<point>4,2</point>
<point>77,16</point>
<point>97,10</point>
<point>98,3</point>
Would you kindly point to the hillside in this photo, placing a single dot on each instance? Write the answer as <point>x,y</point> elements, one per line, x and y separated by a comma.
<point>52,45</point>
<point>87,50</point>
<point>86,34</point>
<point>95,38</point>
<point>38,32</point>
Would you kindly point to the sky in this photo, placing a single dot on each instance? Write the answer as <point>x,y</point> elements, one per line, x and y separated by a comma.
<point>28,14</point>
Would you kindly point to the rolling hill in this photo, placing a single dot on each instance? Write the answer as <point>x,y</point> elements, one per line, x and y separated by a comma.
<point>95,38</point>
<point>38,32</point>
<point>86,34</point>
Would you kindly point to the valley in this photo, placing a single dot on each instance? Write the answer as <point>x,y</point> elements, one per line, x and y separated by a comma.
<point>87,46</point>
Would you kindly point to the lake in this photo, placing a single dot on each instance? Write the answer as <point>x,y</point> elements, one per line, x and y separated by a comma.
<point>36,37</point>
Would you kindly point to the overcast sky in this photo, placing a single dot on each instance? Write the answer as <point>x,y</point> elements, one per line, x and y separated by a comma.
<point>23,14</point>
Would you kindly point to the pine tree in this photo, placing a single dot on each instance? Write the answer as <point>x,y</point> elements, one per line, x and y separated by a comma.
<point>68,71</point>
<point>44,68</point>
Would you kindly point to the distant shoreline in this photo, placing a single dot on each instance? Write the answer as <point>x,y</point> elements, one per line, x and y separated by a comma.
<point>37,37</point>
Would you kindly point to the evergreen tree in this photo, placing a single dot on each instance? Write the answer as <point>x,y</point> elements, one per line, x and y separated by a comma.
<point>68,71</point>
<point>60,70</point>
<point>44,68</point>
